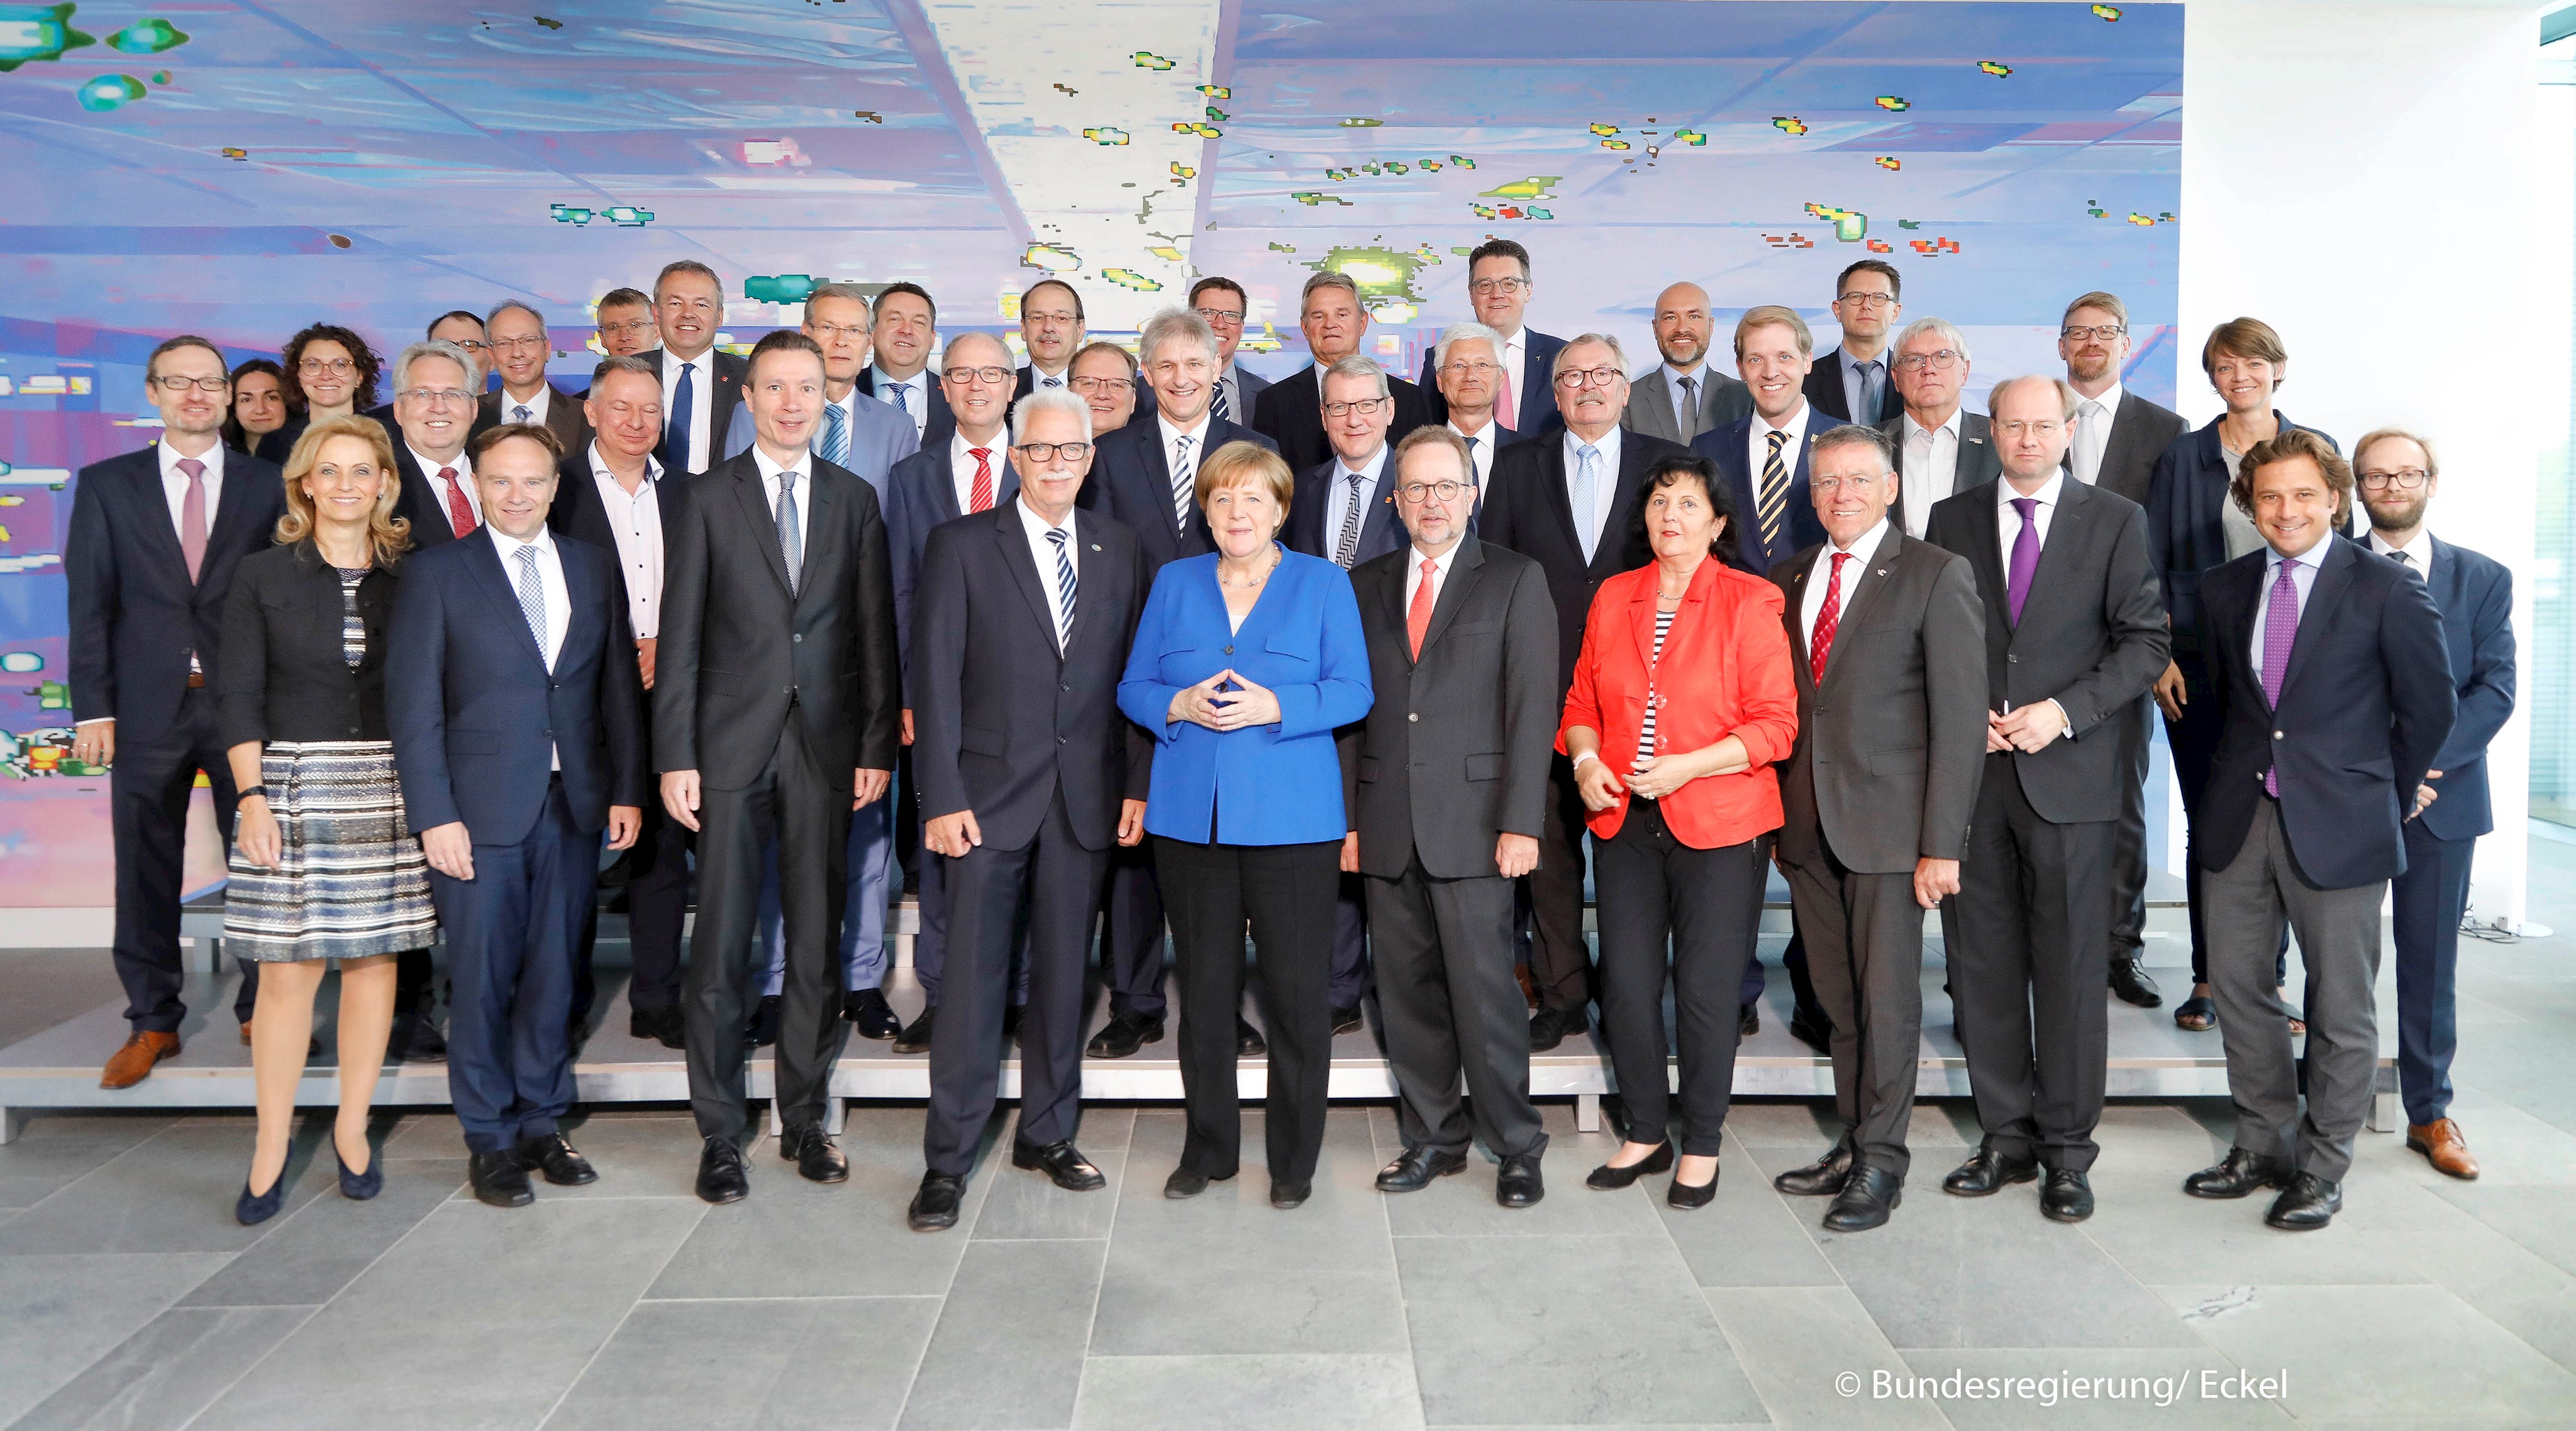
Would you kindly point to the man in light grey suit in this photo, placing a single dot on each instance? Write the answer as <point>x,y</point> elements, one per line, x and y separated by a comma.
<point>855,432</point>
<point>1684,396</point>
<point>1940,449</point>
<point>1889,643</point>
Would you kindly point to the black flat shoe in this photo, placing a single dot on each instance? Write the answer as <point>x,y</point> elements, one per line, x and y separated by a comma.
<point>499,1181</point>
<point>1748,1021</point>
<point>1417,1168</point>
<point>1812,1028</point>
<point>250,1210</point>
<point>2068,1196</point>
<point>1865,1201</point>
<point>2129,980</point>
<point>358,1187</point>
<point>762,1030</point>
<point>2196,1014</point>
<point>1247,1039</point>
<point>555,1157</point>
<point>870,1014</point>
<point>1607,1178</point>
<point>915,1037</point>
<point>817,1158</point>
<point>663,1026</point>
<point>1519,1183</point>
<point>2238,1175</point>
<point>1987,1172</point>
<point>1686,1197</point>
<point>1126,1032</point>
<point>1063,1163</point>
<point>935,1206</point>
<point>721,1178</point>
<point>2310,1202</point>
<point>1284,1196</point>
<point>1346,1021</point>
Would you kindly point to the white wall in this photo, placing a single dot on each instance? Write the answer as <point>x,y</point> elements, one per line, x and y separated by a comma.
<point>2377,182</point>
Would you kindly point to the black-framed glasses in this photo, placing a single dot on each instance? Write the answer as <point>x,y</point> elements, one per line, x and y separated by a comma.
<point>1365,407</point>
<point>1418,492</point>
<point>181,382</point>
<point>1867,300</point>
<point>1044,452</point>
<point>1219,318</point>
<point>980,375</point>
<point>2105,332</point>
<point>1573,378</point>
<point>2404,479</point>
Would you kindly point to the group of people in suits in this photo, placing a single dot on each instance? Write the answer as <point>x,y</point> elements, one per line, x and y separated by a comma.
<point>1426,653</point>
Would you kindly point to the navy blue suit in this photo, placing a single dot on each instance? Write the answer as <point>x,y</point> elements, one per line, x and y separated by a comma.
<point>1533,399</point>
<point>1309,514</point>
<point>2475,596</point>
<point>1725,446</point>
<point>478,718</point>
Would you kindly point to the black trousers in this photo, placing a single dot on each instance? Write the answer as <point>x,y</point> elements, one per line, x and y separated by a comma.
<point>657,906</point>
<point>2428,901</point>
<point>513,932</point>
<point>1867,962</point>
<point>2028,972</point>
<point>2129,856</point>
<point>808,810</point>
<point>1445,988</point>
<point>1350,976</point>
<point>1560,963</point>
<point>1706,905</point>
<point>1057,882</point>
<point>148,813</point>
<point>1282,891</point>
<point>1131,951</point>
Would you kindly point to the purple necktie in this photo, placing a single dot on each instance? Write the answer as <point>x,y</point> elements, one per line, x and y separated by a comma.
<point>2280,632</point>
<point>2025,556</point>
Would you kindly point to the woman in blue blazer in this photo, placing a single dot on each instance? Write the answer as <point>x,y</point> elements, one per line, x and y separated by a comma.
<point>1245,662</point>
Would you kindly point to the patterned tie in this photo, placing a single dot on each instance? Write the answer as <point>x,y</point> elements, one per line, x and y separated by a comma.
<point>836,435</point>
<point>791,545</point>
<point>532,597</point>
<point>1506,415</point>
<point>520,413</point>
<point>1223,409</point>
<point>1821,643</point>
<point>676,449</point>
<point>1587,497</point>
<point>1064,585</point>
<point>1771,506</point>
<point>979,498</point>
<point>1346,548</point>
<point>1417,617</point>
<point>1185,479</point>
<point>1690,409</point>
<point>1050,382</point>
<point>2025,556</point>
<point>2280,632</point>
<point>192,516</point>
<point>460,513</point>
<point>903,396</point>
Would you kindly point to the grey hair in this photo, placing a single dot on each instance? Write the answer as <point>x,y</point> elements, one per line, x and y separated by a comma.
<point>1175,325</point>
<point>504,306</point>
<point>851,291</point>
<point>1854,434</point>
<point>2067,398</point>
<point>1049,400</point>
<point>430,348</point>
<point>624,363</point>
<point>1353,367</point>
<point>1464,333</point>
<point>1618,355</point>
<point>1327,279</point>
<point>1942,328</point>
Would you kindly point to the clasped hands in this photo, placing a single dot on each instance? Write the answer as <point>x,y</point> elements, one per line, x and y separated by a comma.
<point>1221,710</point>
<point>1655,777</point>
<point>2028,730</point>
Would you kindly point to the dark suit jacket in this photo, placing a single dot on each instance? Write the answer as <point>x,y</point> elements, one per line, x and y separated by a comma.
<point>135,616</point>
<point>1131,483</point>
<point>475,711</point>
<point>420,503</point>
<point>1723,398</point>
<point>2365,707</point>
<point>2140,433</point>
<point>730,374</point>
<point>1456,749</point>
<point>2185,496</point>
<point>943,422</point>
<point>1533,394</point>
<point>285,673</point>
<point>921,494</point>
<point>2474,593</point>
<point>1380,532</point>
<point>2091,638</point>
<point>1978,461</point>
<point>1892,744</point>
<point>1725,446</point>
<point>563,417</point>
<point>1002,719</point>
<point>740,655</point>
<point>1248,386</point>
<point>1824,388</point>
<point>1291,412</point>
<point>1527,510</point>
<point>578,513</point>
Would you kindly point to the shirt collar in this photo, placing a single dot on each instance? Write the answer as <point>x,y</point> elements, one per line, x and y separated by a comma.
<point>1796,426</point>
<point>1472,438</point>
<point>1062,375</point>
<point>1698,375</point>
<point>671,362</point>
<point>1440,563</point>
<point>1037,525</point>
<point>2110,399</point>
<point>1862,549</point>
<point>880,378</point>
<point>769,470</point>
<point>508,545</point>
<point>213,457</point>
<point>463,464</point>
<point>599,465</point>
<point>1851,364</point>
<point>1607,445</point>
<point>2048,493</point>
<point>1368,469</point>
<point>2314,558</point>
<point>2419,551</point>
<point>959,449</point>
<point>1197,434</point>
<point>1954,426</point>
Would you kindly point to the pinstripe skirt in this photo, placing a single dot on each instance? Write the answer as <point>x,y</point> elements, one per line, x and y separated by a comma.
<point>351,881</point>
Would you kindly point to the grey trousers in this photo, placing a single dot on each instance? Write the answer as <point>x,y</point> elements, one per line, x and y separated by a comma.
<point>1445,985</point>
<point>2339,941</point>
<point>1865,953</point>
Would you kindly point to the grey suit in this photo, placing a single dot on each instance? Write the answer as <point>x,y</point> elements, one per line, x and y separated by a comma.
<point>1454,753</point>
<point>1884,773</point>
<point>1977,459</point>
<point>1722,400</point>
<point>2034,909</point>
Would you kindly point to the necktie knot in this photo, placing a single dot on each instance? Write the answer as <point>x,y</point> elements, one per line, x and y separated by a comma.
<point>193,469</point>
<point>520,413</point>
<point>2027,506</point>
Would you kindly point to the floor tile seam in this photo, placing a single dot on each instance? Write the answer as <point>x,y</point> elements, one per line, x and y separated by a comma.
<point>1100,1286</point>
<point>622,1318</point>
<point>904,1402</point>
<point>112,1161</point>
<point>310,1312</point>
<point>1737,1350</point>
<point>816,1297</point>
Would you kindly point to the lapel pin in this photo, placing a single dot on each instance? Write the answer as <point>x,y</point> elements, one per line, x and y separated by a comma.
<point>1095,546</point>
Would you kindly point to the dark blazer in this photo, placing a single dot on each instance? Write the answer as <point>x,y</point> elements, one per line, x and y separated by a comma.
<point>730,373</point>
<point>477,717</point>
<point>943,422</point>
<point>2091,638</point>
<point>1291,412</point>
<point>921,495</point>
<point>579,514</point>
<point>2365,707</point>
<point>2140,433</point>
<point>880,437</point>
<point>1723,398</point>
<point>1725,446</point>
<point>740,656</point>
<point>1002,719</point>
<point>1533,397</point>
<point>1131,483</point>
<point>1892,744</point>
<point>1527,510</point>
<point>1248,388</point>
<point>275,448</point>
<point>135,616</point>
<point>1824,389</point>
<point>1978,462</point>
<point>2474,593</point>
<point>1380,532</point>
<point>2185,532</point>
<point>285,673</point>
<point>563,417</point>
<point>1456,748</point>
<point>420,503</point>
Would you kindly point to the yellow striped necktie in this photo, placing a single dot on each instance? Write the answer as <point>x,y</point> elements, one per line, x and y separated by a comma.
<point>1771,507</point>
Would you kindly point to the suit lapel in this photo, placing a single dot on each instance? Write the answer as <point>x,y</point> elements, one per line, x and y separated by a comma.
<point>1023,564</point>
<point>752,493</point>
<point>2065,530</point>
<point>233,509</point>
<point>1862,582</point>
<point>486,564</point>
<point>155,507</point>
<point>1465,570</point>
<point>2334,576</point>
<point>1655,396</point>
<point>1797,589</point>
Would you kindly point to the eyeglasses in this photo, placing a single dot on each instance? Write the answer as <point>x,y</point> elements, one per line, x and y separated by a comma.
<point>1505,286</point>
<point>2075,333</point>
<point>337,367</point>
<point>1219,318</point>
<point>1088,386</point>
<point>979,375</point>
<point>181,382</point>
<point>1829,485</point>
<point>1425,491</point>
<point>1043,452</point>
<point>1062,316</point>
<point>1465,369</point>
<point>2404,479</point>
<point>833,332</point>
<point>438,397</point>
<point>637,326</point>
<point>1944,360</point>
<point>1365,407</point>
<point>2046,427</point>
<point>1867,300</point>
<point>1575,378</point>
<point>518,345</point>
<point>472,345</point>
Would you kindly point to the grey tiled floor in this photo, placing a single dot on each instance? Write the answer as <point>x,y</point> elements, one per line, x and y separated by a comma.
<point>129,1298</point>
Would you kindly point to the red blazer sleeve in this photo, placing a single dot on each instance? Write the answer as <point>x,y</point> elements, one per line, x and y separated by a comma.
<point>1769,684</point>
<point>1583,699</point>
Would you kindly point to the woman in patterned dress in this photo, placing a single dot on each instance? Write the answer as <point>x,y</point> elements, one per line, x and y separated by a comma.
<point>322,866</point>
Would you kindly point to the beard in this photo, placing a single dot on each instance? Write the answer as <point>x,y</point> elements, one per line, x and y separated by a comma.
<point>2398,514</point>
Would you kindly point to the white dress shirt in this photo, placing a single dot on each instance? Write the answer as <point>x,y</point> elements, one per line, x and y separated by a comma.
<point>1043,552</point>
<point>1040,379</point>
<point>2093,419</point>
<point>915,399</point>
<point>636,522</point>
<point>2303,579</point>
<point>702,405</point>
<point>1821,576</point>
<point>1480,448</point>
<point>1605,487</point>
<point>961,467</point>
<point>1930,468</point>
<point>1439,573</point>
<point>1686,407</point>
<point>2417,553</point>
<point>1757,449</point>
<point>2008,516</point>
<point>1172,436</point>
<point>174,483</point>
<point>536,405</point>
<point>1339,498</point>
<point>463,466</point>
<point>550,581</point>
<point>803,498</point>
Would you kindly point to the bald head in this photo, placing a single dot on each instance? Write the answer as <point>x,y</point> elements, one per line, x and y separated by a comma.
<point>1682,325</point>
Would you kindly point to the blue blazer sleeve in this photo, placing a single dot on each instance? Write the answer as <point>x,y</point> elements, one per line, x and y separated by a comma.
<point>1342,691</point>
<point>2486,701</point>
<point>1142,693</point>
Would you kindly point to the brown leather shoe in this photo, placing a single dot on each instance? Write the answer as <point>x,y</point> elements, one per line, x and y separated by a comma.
<point>132,1064</point>
<point>2442,1146</point>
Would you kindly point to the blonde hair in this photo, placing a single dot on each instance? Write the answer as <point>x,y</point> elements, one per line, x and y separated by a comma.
<point>1242,463</point>
<point>1770,315</point>
<point>391,535</point>
<point>2377,435</point>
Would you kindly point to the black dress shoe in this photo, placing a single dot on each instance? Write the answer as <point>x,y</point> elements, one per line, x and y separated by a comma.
<point>499,1180</point>
<point>2308,1203</point>
<point>762,1030</point>
<point>1284,1196</point>
<point>2068,1196</point>
<point>1607,1178</point>
<point>1519,1184</point>
<point>817,1158</point>
<point>915,1037</point>
<point>1011,1023</point>
<point>1686,1197</point>
<point>1346,1021</point>
<point>868,1012</point>
<point>1811,1027</point>
<point>1063,1163</point>
<point>1247,1039</point>
<point>1126,1032</point>
<point>1865,1201</point>
<point>1987,1172</point>
<point>416,1039</point>
<point>1415,1169</point>
<point>620,871</point>
<point>1748,1021</point>
<point>721,1178</point>
<point>1822,1178</point>
<point>1185,1182</point>
<point>554,1156</point>
<point>935,1206</point>
<point>1550,1027</point>
<point>663,1026</point>
<point>2129,980</point>
<point>2238,1175</point>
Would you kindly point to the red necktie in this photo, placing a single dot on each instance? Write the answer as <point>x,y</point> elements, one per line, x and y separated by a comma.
<point>1417,617</point>
<point>1822,644</point>
<point>981,499</point>
<point>460,513</point>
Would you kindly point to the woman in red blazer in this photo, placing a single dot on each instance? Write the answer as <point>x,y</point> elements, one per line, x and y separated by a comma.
<point>1682,701</point>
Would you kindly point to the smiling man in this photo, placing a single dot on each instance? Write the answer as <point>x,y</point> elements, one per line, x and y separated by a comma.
<point>1852,383</point>
<point>1686,394</point>
<point>1499,289</point>
<point>907,329</point>
<point>1763,455</point>
<point>699,384</point>
<point>520,349</point>
<point>1051,327</point>
<point>1290,411</point>
<point>434,413</point>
